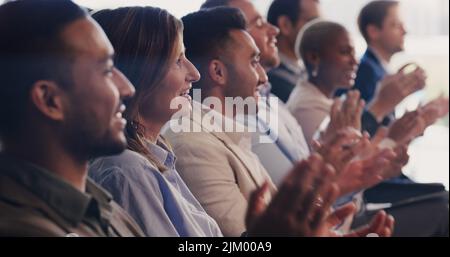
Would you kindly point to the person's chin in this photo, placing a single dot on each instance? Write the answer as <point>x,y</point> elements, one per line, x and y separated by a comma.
<point>113,146</point>
<point>116,148</point>
<point>115,142</point>
<point>270,59</point>
<point>185,111</point>
<point>400,48</point>
<point>348,84</point>
<point>184,104</point>
<point>272,48</point>
<point>118,143</point>
<point>121,139</point>
<point>275,60</point>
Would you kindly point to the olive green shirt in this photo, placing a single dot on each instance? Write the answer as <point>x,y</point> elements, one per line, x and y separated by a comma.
<point>35,202</point>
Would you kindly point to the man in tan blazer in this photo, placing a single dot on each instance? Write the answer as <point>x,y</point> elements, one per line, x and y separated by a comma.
<point>220,170</point>
<point>218,166</point>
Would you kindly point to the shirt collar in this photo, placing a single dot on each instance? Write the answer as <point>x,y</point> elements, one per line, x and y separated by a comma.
<point>265,89</point>
<point>383,63</point>
<point>59,195</point>
<point>162,153</point>
<point>240,134</point>
<point>293,66</point>
<point>317,93</point>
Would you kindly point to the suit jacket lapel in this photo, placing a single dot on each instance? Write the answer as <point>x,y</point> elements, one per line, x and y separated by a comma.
<point>235,149</point>
<point>372,56</point>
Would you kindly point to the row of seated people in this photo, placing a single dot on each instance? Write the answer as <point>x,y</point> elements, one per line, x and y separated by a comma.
<point>169,165</point>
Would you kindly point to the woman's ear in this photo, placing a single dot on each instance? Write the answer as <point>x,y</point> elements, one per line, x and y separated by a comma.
<point>48,98</point>
<point>218,72</point>
<point>313,63</point>
<point>313,59</point>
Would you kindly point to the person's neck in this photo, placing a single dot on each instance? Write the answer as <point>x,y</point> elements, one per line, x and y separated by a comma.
<point>152,130</point>
<point>326,88</point>
<point>216,93</point>
<point>286,47</point>
<point>50,154</point>
<point>381,53</point>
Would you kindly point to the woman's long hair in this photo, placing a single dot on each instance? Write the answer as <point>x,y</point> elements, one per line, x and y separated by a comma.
<point>144,40</point>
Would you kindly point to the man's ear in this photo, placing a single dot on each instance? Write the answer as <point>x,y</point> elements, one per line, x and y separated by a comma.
<point>373,32</point>
<point>48,98</point>
<point>285,25</point>
<point>218,72</point>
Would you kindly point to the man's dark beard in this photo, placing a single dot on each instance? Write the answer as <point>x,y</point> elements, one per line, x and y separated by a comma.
<point>83,143</point>
<point>105,147</point>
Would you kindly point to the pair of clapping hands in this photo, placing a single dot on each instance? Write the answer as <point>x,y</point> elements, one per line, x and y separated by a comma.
<point>345,161</point>
<point>362,162</point>
<point>302,206</point>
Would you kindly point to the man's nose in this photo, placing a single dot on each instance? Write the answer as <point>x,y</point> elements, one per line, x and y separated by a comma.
<point>126,89</point>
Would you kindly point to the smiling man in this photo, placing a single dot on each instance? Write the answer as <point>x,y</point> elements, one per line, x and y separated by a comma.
<point>289,144</point>
<point>264,33</point>
<point>61,105</point>
<point>381,26</point>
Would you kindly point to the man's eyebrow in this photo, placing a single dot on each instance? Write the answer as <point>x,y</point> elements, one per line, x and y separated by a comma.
<point>106,59</point>
<point>255,19</point>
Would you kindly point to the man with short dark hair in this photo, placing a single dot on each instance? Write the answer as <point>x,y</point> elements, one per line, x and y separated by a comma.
<point>290,16</point>
<point>60,105</point>
<point>289,142</point>
<point>381,26</point>
<point>215,3</point>
<point>261,31</point>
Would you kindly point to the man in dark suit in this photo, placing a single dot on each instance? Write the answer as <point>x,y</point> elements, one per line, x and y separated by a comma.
<point>380,24</point>
<point>370,72</point>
